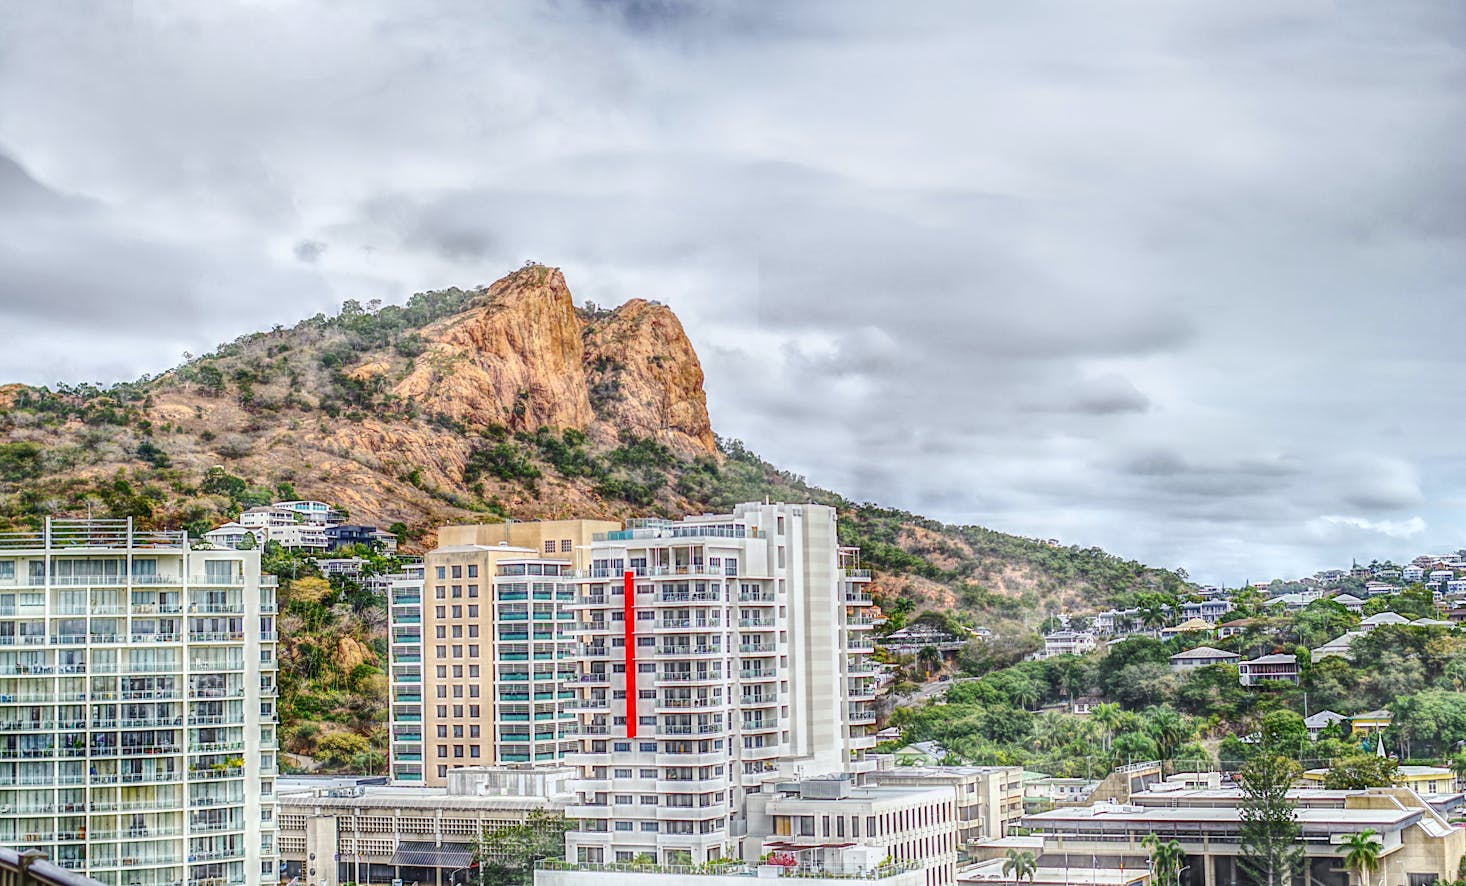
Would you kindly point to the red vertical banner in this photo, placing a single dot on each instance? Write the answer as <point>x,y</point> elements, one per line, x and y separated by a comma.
<point>630,585</point>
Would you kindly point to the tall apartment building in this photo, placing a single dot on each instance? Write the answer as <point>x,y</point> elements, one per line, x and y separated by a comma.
<point>717,654</point>
<point>137,705</point>
<point>483,659</point>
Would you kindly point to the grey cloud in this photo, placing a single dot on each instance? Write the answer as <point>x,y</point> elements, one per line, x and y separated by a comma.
<point>309,251</point>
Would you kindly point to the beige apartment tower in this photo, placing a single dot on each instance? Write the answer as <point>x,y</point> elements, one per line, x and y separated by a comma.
<point>480,652</point>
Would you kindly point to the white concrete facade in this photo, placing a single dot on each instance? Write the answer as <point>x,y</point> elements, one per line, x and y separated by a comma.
<point>741,656</point>
<point>137,705</point>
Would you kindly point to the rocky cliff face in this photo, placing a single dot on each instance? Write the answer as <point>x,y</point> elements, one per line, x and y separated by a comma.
<point>647,376</point>
<point>518,361</point>
<point>384,414</point>
<point>527,360</point>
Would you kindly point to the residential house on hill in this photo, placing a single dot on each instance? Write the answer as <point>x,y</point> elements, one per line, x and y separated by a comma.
<point>1234,627</point>
<point>1321,721</point>
<point>1383,618</point>
<point>1280,666</point>
<point>1202,656</point>
<point>1371,722</point>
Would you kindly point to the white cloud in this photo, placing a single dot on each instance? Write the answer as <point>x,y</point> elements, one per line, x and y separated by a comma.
<point>1167,278</point>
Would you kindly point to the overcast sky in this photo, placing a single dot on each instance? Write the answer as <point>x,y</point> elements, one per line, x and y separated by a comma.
<point>1182,280</point>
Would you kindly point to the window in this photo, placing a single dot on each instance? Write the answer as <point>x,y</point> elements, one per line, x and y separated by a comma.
<point>457,730</point>
<point>442,672</point>
<point>442,750</point>
<point>473,691</point>
<point>442,710</point>
<point>624,826</point>
<point>623,799</point>
<point>473,650</point>
<point>473,592</point>
<point>457,612</point>
<point>566,545</point>
<point>442,632</point>
<point>622,773</point>
<point>550,546</point>
<point>473,729</point>
<point>442,572</point>
<point>473,610</point>
<point>442,731</point>
<point>648,773</point>
<point>473,570</point>
<point>457,571</point>
<point>440,592</point>
<point>648,746</point>
<point>472,631</point>
<point>457,591</point>
<point>473,751</point>
<point>649,827</point>
<point>622,746</point>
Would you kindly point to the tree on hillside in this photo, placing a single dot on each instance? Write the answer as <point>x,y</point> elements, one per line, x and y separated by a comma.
<point>1272,851</point>
<point>1361,854</point>
<point>1107,714</point>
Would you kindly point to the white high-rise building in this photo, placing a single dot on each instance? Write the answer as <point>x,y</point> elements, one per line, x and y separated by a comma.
<point>718,654</point>
<point>137,705</point>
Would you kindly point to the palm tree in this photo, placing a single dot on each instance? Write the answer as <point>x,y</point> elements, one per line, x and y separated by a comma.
<point>1361,854</point>
<point>1169,729</point>
<point>1166,860</point>
<point>1107,714</point>
<point>1049,731</point>
<point>1022,865</point>
<point>930,659</point>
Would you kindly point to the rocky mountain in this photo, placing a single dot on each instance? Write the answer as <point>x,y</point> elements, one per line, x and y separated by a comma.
<point>462,405</point>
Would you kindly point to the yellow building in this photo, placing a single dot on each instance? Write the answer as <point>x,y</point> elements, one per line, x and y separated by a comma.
<point>1420,779</point>
<point>1372,722</point>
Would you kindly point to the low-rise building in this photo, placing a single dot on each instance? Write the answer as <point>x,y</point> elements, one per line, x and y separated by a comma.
<point>1417,844</point>
<point>1412,573</point>
<point>1278,667</point>
<point>988,798</point>
<point>1048,791</point>
<point>346,567</point>
<point>1066,643</point>
<point>1349,602</point>
<point>916,825</point>
<point>1201,657</point>
<point>335,831</point>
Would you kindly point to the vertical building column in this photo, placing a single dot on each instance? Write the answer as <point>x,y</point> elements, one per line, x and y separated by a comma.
<point>629,583</point>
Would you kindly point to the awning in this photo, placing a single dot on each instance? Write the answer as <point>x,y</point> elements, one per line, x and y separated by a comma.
<point>429,855</point>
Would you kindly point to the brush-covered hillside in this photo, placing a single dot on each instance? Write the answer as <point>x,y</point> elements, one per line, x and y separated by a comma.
<point>506,401</point>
